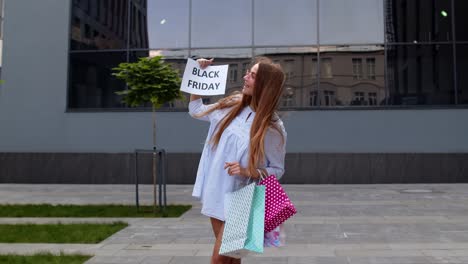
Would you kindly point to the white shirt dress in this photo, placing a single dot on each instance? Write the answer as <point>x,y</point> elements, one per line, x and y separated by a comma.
<point>212,180</point>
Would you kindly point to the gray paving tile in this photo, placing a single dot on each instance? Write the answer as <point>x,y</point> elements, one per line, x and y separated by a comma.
<point>265,260</point>
<point>390,260</point>
<point>114,260</point>
<point>185,260</point>
<point>340,224</point>
<point>317,260</point>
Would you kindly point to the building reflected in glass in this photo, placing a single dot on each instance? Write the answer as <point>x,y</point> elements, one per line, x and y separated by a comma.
<point>335,53</point>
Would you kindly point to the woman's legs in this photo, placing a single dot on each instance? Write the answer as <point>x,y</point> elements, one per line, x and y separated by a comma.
<point>218,228</point>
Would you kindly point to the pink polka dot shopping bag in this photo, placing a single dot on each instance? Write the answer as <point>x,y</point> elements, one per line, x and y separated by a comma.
<point>278,207</point>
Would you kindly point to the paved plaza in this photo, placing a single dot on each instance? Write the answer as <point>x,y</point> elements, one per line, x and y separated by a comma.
<point>339,224</point>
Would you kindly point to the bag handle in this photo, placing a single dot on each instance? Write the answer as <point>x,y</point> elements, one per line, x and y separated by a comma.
<point>263,175</point>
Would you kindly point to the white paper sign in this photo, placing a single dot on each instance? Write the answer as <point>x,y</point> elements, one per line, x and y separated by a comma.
<point>209,81</point>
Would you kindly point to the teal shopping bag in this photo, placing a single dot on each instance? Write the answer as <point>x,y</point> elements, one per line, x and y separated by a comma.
<point>244,226</point>
<point>256,227</point>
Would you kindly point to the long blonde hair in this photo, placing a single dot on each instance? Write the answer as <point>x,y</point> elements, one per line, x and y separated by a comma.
<point>268,88</point>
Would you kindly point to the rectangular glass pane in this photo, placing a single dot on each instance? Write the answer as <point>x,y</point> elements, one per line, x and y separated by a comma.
<point>462,69</point>
<point>99,25</point>
<point>420,74</point>
<point>461,9</point>
<point>351,22</point>
<point>300,67</point>
<point>285,23</point>
<point>91,84</point>
<point>418,20</point>
<point>159,24</point>
<point>221,23</point>
<point>351,76</point>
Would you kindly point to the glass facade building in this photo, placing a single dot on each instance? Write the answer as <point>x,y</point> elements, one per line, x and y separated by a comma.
<point>376,90</point>
<point>370,54</point>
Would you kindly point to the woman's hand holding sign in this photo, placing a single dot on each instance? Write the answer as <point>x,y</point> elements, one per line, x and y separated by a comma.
<point>200,79</point>
<point>204,62</point>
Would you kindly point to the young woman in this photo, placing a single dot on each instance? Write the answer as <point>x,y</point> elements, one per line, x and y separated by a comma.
<point>245,137</point>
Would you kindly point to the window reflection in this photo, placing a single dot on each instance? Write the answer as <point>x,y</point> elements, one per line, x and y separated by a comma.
<point>279,22</point>
<point>138,24</point>
<point>232,73</point>
<point>418,20</point>
<point>313,100</point>
<point>345,69</point>
<point>461,9</point>
<point>99,25</point>
<point>357,68</point>
<point>462,68</point>
<point>351,22</point>
<point>164,25</point>
<point>298,65</point>
<point>91,82</point>
<point>221,23</point>
<point>326,68</point>
<point>351,76</point>
<point>370,63</point>
<point>420,74</point>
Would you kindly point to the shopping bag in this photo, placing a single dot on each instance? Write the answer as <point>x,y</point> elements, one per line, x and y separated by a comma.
<point>244,225</point>
<point>276,237</point>
<point>278,207</point>
<point>255,229</point>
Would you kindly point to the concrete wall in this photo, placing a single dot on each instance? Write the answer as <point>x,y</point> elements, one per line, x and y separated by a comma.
<point>33,115</point>
<point>308,168</point>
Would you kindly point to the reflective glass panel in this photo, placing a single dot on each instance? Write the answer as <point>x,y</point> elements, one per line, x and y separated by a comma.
<point>99,25</point>
<point>351,76</point>
<point>279,22</point>
<point>351,22</point>
<point>159,24</point>
<point>462,69</point>
<point>221,23</point>
<point>418,20</point>
<point>91,84</point>
<point>420,74</point>
<point>299,65</point>
<point>461,9</point>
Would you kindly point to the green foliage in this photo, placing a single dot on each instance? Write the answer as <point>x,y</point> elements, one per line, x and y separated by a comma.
<point>58,233</point>
<point>43,258</point>
<point>97,210</point>
<point>150,80</point>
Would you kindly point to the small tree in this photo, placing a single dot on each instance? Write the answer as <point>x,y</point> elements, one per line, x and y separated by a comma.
<point>149,80</point>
